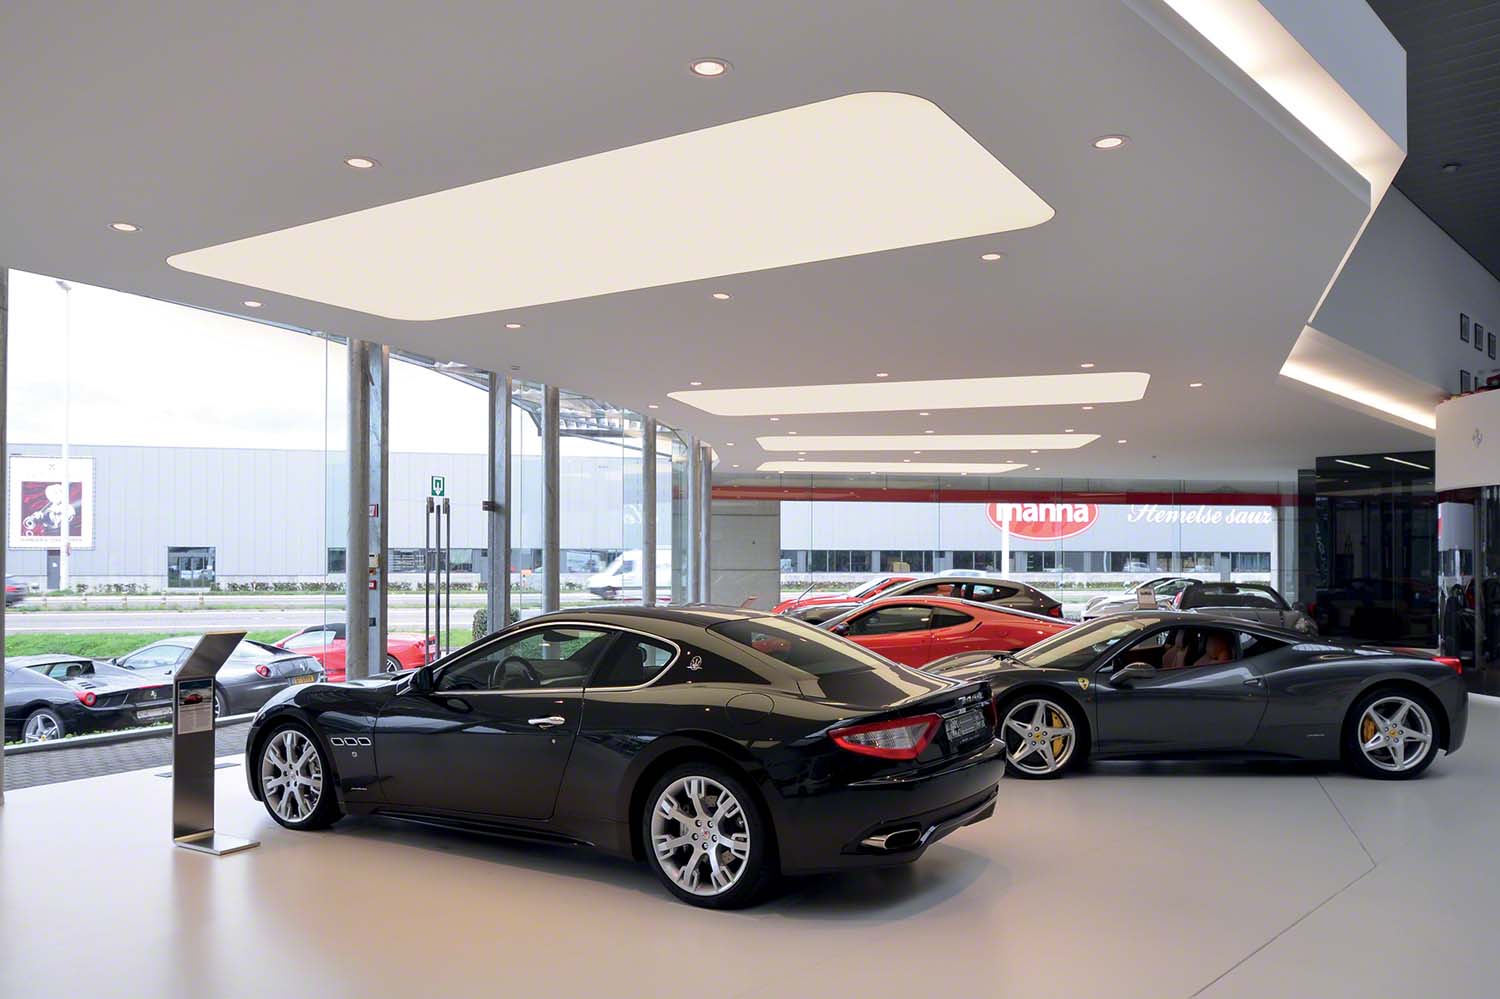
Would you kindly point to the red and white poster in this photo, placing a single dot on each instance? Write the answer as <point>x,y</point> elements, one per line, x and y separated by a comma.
<point>1043,521</point>
<point>43,513</point>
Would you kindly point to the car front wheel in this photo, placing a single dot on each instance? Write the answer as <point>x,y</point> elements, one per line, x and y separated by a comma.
<point>706,837</point>
<point>296,780</point>
<point>1041,737</point>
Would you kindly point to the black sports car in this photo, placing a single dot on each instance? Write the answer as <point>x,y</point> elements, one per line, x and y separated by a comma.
<point>252,673</point>
<point>721,746</point>
<point>1168,684</point>
<point>50,696</point>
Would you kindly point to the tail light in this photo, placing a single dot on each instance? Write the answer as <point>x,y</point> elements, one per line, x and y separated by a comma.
<point>86,696</point>
<point>897,739</point>
<point>263,669</point>
<point>1055,611</point>
<point>1455,664</point>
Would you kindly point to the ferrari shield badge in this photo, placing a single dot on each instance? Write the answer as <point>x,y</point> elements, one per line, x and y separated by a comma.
<point>1083,682</point>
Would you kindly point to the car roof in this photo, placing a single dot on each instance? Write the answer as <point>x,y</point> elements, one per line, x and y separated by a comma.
<point>915,598</point>
<point>1199,619</point>
<point>701,615</point>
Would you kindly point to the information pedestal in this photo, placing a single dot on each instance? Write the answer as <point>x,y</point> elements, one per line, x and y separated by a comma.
<point>193,748</point>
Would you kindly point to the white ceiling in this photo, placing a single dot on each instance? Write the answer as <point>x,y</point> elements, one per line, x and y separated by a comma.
<point>1195,253</point>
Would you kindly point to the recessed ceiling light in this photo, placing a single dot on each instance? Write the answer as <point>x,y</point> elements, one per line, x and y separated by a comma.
<point>1352,464</point>
<point>792,433</point>
<point>722,296</point>
<point>963,473</point>
<point>1036,452</point>
<point>906,461</point>
<point>1195,384</point>
<point>512,326</point>
<point>1452,167</point>
<point>652,405</point>
<point>882,374</point>
<point>924,413</point>
<point>916,452</point>
<point>709,67</point>
<point>1122,441</point>
<point>729,443</point>
<point>124,227</point>
<point>1069,430</point>
<point>1111,141</point>
<point>801,459</point>
<point>801,452</point>
<point>1086,408</point>
<point>903,396</point>
<point>695,384</point>
<point>361,163</point>
<point>1087,364</point>
<point>775,419</point>
<point>1409,464</point>
<point>251,303</point>
<point>734,466</point>
<point>990,257</point>
<point>927,431</point>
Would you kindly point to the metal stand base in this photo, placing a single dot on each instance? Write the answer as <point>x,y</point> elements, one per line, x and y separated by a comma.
<point>216,843</point>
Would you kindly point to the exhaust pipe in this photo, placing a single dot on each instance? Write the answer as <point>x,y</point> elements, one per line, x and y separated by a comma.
<point>895,839</point>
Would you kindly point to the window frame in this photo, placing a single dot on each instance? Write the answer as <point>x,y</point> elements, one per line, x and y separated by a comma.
<point>613,630</point>
<point>891,607</point>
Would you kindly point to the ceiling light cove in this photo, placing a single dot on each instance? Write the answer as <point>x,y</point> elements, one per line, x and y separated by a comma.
<point>903,467</point>
<point>945,393</point>
<point>803,181</point>
<point>931,441</point>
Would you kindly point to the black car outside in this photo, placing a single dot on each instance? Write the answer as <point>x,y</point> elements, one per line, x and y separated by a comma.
<point>721,746</point>
<point>15,591</point>
<point>249,677</point>
<point>981,589</point>
<point>1188,685</point>
<point>49,696</point>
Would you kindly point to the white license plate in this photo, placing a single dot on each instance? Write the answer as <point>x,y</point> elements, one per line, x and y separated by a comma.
<point>304,678</point>
<point>962,727</point>
<point>151,714</point>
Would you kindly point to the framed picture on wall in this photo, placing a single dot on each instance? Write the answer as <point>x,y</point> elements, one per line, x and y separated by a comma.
<point>1463,327</point>
<point>1465,383</point>
<point>1479,336</point>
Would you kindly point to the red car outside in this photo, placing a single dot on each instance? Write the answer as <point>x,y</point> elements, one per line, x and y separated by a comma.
<point>328,644</point>
<point>867,590</point>
<point>918,630</point>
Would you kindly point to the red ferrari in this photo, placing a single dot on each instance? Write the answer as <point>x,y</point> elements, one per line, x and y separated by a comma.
<point>867,590</point>
<point>327,643</point>
<point>918,630</point>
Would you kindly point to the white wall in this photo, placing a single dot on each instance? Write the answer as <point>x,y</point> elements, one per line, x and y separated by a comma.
<point>745,548</point>
<point>1400,295</point>
<point>1468,441</point>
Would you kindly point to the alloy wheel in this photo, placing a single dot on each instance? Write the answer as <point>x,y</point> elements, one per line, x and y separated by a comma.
<point>218,705</point>
<point>41,728</point>
<point>1039,736</point>
<point>291,775</point>
<point>1395,734</point>
<point>700,836</point>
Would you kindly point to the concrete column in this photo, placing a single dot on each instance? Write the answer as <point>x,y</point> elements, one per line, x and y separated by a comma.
<point>551,506</point>
<point>369,495</point>
<point>497,597</point>
<point>705,524</point>
<point>4,484</point>
<point>648,513</point>
<point>745,538</point>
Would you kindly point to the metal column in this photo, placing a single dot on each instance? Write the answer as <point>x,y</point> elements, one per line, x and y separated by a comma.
<point>694,521</point>
<point>705,523</point>
<point>648,513</point>
<point>4,485</point>
<point>551,509</point>
<point>365,563</point>
<point>497,507</point>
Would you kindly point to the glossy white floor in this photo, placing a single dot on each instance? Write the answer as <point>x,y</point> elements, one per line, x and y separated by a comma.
<point>1151,881</point>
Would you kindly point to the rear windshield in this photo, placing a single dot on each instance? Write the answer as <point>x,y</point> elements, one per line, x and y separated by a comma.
<point>799,645</point>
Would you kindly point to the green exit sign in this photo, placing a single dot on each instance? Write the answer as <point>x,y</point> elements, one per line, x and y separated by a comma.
<point>439,485</point>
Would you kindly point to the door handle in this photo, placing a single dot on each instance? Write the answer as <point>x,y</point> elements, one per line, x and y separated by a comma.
<point>551,721</point>
<point>1254,681</point>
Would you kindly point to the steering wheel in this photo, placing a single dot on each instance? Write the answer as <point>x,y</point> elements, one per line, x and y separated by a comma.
<point>526,668</point>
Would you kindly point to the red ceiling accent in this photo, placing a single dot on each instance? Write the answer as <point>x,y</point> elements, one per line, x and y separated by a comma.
<point>876,494</point>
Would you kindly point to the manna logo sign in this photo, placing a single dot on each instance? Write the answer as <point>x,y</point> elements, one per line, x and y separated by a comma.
<point>1043,521</point>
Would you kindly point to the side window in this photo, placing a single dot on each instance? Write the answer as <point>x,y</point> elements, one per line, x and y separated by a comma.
<point>543,657</point>
<point>942,617</point>
<point>309,640</point>
<point>156,658</point>
<point>986,592</point>
<point>892,620</point>
<point>633,660</point>
<point>1256,645</point>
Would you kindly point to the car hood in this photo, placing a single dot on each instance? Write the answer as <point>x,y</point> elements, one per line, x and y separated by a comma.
<point>997,668</point>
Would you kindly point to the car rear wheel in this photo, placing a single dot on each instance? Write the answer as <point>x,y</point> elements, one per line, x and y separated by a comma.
<point>1041,737</point>
<point>43,725</point>
<point>1390,735</point>
<point>296,780</point>
<point>706,838</point>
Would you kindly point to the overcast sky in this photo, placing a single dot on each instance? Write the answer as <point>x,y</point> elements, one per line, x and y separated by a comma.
<point>148,373</point>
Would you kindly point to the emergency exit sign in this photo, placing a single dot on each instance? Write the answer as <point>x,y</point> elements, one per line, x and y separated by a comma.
<point>439,485</point>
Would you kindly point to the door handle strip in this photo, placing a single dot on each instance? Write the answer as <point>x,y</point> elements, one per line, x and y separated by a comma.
<point>551,721</point>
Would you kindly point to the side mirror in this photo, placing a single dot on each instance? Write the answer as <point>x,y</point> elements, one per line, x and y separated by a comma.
<point>840,629</point>
<point>1132,671</point>
<point>421,681</point>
